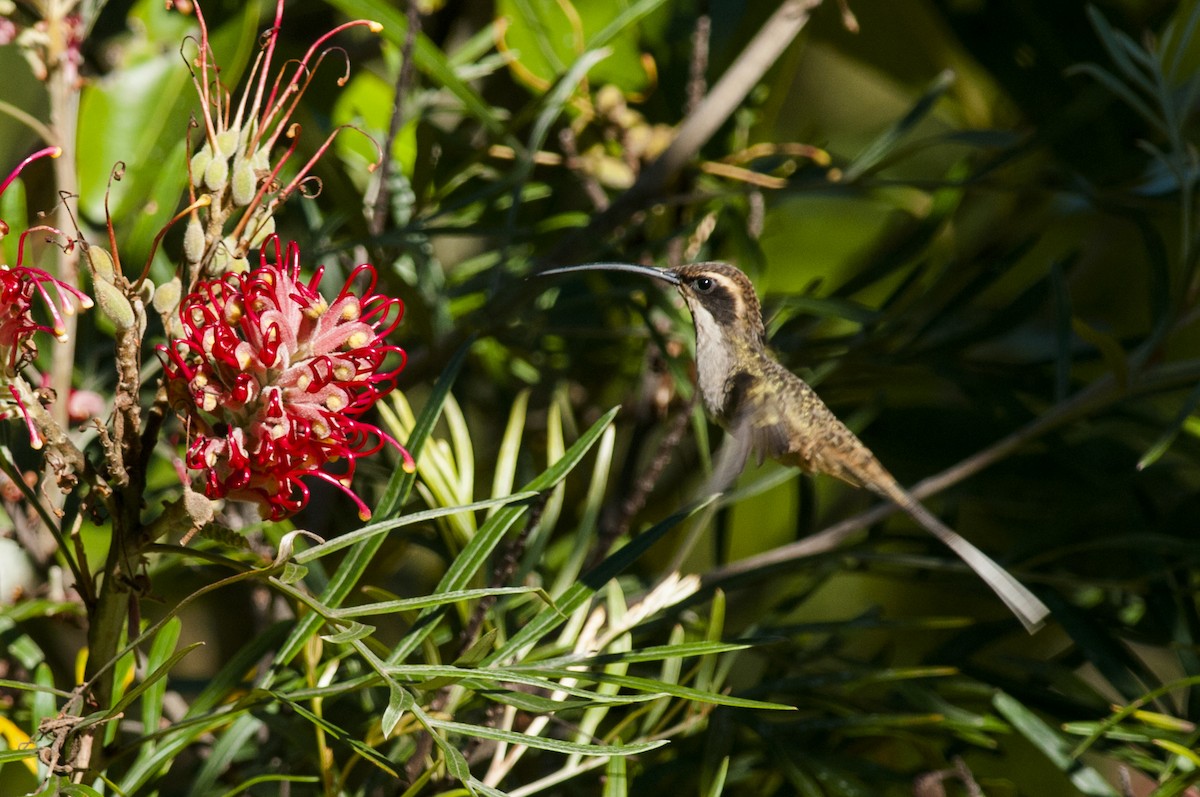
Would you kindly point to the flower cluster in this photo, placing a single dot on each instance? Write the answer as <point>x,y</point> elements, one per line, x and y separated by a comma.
<point>20,285</point>
<point>237,165</point>
<point>272,379</point>
<point>20,288</point>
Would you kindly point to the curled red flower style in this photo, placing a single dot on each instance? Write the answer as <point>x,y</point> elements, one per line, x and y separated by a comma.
<point>20,288</point>
<point>273,378</point>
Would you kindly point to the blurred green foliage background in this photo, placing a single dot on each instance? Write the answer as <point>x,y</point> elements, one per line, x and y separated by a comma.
<point>973,226</point>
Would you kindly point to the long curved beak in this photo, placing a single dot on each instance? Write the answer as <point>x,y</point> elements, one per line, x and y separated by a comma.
<point>632,268</point>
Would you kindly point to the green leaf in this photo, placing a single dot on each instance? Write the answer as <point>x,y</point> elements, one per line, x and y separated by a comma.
<point>440,599</point>
<point>616,780</point>
<point>581,592</point>
<point>292,573</point>
<point>244,786</point>
<point>652,653</point>
<point>1053,746</point>
<point>544,39</point>
<point>377,529</point>
<point>542,743</point>
<point>160,651</point>
<point>475,554</point>
<point>350,633</point>
<point>151,678</point>
<point>399,701</point>
<point>879,149</point>
<point>400,484</point>
<point>1163,443</point>
<point>675,690</point>
<point>510,446</point>
<point>490,678</point>
<point>17,755</point>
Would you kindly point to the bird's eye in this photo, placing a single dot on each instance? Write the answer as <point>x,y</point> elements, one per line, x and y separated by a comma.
<point>704,284</point>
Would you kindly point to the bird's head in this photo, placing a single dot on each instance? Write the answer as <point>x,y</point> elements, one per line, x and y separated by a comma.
<point>720,297</point>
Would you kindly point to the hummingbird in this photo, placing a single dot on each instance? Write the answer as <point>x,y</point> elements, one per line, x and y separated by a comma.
<point>767,409</point>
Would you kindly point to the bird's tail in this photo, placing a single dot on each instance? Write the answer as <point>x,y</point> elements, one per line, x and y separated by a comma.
<point>1016,596</point>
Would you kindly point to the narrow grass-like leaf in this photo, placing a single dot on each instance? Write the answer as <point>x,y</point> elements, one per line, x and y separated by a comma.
<point>73,789</point>
<point>410,604</point>
<point>717,786</point>
<point>232,675</point>
<point>706,676</point>
<point>244,787</point>
<point>652,653</point>
<point>17,755</point>
<point>1052,745</point>
<point>475,554</point>
<point>543,743</point>
<point>581,592</point>
<point>510,446</point>
<point>464,451</point>
<point>616,781</point>
<point>399,701</point>
<point>882,146</point>
<point>1180,750</point>
<point>164,644</point>
<point>399,485</point>
<point>585,532</point>
<point>675,690</point>
<point>1163,443</point>
<point>488,677</point>
<point>1121,50</point>
<point>671,672</point>
<point>480,788</point>
<point>230,744</point>
<point>352,633</point>
<point>25,686</point>
<point>545,705</point>
<point>375,529</point>
<point>628,16</point>
<point>127,700</point>
<point>535,544</point>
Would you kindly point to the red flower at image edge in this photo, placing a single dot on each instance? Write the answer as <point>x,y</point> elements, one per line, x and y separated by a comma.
<point>20,288</point>
<point>273,379</point>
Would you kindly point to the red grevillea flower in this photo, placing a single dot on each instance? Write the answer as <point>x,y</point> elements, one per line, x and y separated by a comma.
<point>273,378</point>
<point>21,285</point>
<point>20,288</point>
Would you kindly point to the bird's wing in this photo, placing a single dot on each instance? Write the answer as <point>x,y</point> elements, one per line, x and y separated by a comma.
<point>756,418</point>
